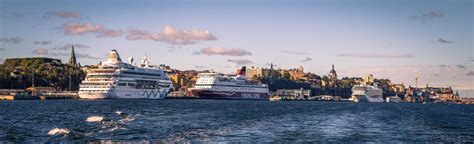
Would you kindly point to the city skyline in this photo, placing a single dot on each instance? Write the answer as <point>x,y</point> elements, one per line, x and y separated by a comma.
<point>399,40</point>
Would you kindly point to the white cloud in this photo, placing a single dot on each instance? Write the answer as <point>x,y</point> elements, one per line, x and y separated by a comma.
<point>40,51</point>
<point>78,55</point>
<point>80,29</point>
<point>172,35</point>
<point>295,52</point>
<point>223,51</point>
<point>68,47</point>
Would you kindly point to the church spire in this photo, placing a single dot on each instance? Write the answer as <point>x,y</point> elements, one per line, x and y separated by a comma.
<point>72,58</point>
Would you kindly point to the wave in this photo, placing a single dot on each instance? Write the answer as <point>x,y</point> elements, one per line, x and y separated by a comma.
<point>57,131</point>
<point>119,113</point>
<point>95,119</point>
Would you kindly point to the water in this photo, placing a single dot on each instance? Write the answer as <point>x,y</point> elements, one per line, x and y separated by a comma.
<point>233,121</point>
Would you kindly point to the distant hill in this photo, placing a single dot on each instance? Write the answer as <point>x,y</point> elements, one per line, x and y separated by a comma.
<point>17,73</point>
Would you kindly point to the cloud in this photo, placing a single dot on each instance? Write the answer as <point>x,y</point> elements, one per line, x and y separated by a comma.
<point>80,29</point>
<point>470,73</point>
<point>296,53</point>
<point>68,47</point>
<point>223,51</point>
<point>441,40</point>
<point>40,51</point>
<point>63,14</point>
<point>110,33</point>
<point>423,18</point>
<point>306,60</point>
<point>200,67</point>
<point>240,61</point>
<point>371,55</point>
<point>136,34</point>
<point>78,55</point>
<point>461,66</point>
<point>172,35</point>
<point>2,49</point>
<point>13,40</point>
<point>42,42</point>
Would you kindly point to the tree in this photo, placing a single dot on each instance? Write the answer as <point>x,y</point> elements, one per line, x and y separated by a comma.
<point>285,75</point>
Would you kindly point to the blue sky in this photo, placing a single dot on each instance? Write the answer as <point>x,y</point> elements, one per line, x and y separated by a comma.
<point>220,35</point>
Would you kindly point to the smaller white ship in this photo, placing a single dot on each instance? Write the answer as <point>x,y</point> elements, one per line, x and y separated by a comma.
<point>367,93</point>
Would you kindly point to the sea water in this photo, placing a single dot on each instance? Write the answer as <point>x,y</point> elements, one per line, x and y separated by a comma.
<point>197,120</point>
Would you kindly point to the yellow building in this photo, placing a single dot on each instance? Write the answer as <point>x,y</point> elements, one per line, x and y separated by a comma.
<point>296,74</point>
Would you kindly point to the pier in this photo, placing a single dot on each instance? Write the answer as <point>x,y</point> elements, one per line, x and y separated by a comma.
<point>19,94</point>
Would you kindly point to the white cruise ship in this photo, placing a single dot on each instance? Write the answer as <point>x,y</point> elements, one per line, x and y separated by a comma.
<point>114,79</point>
<point>367,93</point>
<point>219,86</point>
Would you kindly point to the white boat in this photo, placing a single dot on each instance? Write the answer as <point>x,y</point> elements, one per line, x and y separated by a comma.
<point>114,79</point>
<point>367,93</point>
<point>393,99</point>
<point>218,86</point>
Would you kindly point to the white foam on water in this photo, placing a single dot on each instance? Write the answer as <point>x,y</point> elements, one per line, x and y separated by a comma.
<point>95,119</point>
<point>56,131</point>
<point>119,112</point>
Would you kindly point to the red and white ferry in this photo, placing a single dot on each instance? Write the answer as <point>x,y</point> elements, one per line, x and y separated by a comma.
<point>219,86</point>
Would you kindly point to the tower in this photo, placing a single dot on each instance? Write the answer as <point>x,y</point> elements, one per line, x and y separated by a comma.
<point>332,76</point>
<point>72,58</point>
<point>271,72</point>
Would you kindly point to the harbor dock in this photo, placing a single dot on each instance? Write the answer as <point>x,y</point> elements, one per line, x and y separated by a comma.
<point>36,94</point>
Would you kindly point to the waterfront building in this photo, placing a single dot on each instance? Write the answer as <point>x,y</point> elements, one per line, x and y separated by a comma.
<point>257,72</point>
<point>297,74</point>
<point>40,90</point>
<point>369,79</point>
<point>183,79</point>
<point>398,88</point>
<point>293,94</point>
<point>412,95</point>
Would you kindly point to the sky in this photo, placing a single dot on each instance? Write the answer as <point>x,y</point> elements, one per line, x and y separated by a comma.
<point>395,39</point>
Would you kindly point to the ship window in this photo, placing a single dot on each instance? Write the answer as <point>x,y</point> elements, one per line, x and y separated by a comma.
<point>121,84</point>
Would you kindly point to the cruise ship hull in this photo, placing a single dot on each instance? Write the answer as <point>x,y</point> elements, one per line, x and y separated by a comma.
<point>363,98</point>
<point>127,94</point>
<point>93,95</point>
<point>212,94</point>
